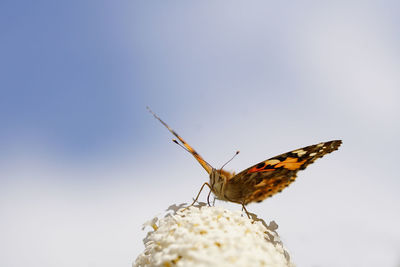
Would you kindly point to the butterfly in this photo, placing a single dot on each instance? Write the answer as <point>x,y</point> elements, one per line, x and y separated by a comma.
<point>260,181</point>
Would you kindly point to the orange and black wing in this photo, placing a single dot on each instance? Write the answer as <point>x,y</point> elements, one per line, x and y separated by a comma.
<point>271,176</point>
<point>196,155</point>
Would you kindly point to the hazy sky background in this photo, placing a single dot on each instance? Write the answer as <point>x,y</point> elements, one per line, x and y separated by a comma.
<point>83,164</point>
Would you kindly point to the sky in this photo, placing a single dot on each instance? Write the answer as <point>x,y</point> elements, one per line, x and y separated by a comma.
<point>83,164</point>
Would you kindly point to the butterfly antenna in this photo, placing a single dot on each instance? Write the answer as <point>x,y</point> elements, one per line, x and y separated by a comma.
<point>179,144</point>
<point>183,144</point>
<point>237,152</point>
<point>187,150</point>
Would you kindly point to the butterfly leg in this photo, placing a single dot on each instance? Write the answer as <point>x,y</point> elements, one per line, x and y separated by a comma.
<point>244,208</point>
<point>208,198</point>
<point>197,197</point>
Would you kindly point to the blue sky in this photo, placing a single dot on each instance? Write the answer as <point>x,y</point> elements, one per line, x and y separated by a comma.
<point>66,75</point>
<point>82,161</point>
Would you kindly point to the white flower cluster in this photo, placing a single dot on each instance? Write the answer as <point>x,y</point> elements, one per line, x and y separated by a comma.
<point>212,236</point>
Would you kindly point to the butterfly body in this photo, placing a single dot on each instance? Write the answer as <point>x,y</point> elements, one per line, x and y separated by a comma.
<point>262,180</point>
<point>219,181</point>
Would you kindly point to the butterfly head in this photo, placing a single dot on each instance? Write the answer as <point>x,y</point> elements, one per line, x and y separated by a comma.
<point>218,180</point>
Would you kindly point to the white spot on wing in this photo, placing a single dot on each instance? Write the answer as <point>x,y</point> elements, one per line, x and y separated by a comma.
<point>299,152</point>
<point>272,161</point>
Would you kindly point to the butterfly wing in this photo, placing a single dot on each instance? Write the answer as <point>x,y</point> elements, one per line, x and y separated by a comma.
<point>269,177</point>
<point>196,155</point>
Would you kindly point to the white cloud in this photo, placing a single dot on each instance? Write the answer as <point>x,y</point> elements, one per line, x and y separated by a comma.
<point>350,59</point>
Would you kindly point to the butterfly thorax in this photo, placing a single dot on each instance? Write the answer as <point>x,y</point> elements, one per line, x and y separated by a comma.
<point>218,182</point>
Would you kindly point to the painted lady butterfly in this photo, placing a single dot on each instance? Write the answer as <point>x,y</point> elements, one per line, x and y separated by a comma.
<point>262,180</point>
